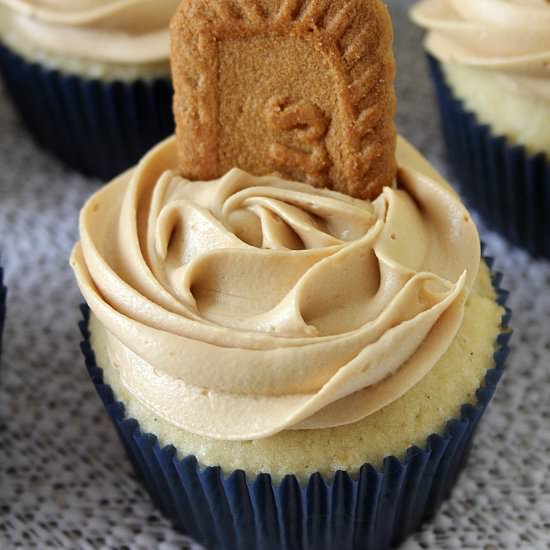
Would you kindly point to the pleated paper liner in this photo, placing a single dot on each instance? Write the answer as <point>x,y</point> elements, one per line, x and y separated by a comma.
<point>509,188</point>
<point>99,128</point>
<point>3,296</point>
<point>368,510</point>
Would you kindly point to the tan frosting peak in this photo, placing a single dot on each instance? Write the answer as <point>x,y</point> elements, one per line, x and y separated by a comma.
<point>243,306</point>
<point>121,31</point>
<point>508,36</point>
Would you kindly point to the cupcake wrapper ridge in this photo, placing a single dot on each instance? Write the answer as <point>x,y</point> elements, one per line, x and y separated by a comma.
<point>370,510</point>
<point>99,128</point>
<point>3,296</point>
<point>509,188</point>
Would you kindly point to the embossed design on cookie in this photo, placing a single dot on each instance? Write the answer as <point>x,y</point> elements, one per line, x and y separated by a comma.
<point>230,57</point>
<point>310,124</point>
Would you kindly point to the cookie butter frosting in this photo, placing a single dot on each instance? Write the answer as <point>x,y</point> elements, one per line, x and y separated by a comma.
<point>239,307</point>
<point>511,37</point>
<point>116,31</point>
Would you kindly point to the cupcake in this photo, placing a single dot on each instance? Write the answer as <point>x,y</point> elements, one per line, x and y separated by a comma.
<point>91,80</point>
<point>289,364</point>
<point>489,60</point>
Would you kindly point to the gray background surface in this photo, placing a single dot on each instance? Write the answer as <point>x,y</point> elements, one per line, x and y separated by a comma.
<point>64,479</point>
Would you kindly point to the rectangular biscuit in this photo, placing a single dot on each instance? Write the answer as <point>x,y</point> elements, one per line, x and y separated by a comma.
<point>302,88</point>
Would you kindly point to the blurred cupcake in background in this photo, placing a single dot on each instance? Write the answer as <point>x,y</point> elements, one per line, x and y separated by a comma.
<point>90,79</point>
<point>490,61</point>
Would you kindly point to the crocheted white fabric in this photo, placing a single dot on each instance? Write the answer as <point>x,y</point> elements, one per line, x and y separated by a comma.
<point>50,411</point>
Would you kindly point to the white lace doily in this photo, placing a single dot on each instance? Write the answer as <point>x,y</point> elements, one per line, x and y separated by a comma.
<point>65,482</point>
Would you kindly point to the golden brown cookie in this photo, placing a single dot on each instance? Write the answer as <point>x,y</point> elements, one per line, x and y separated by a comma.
<point>299,87</point>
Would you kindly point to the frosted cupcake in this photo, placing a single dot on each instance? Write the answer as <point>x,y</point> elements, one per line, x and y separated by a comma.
<point>356,354</point>
<point>288,366</point>
<point>489,60</point>
<point>90,79</point>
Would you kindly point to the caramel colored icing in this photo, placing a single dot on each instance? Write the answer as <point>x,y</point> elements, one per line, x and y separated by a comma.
<point>508,36</point>
<point>239,307</point>
<point>118,31</point>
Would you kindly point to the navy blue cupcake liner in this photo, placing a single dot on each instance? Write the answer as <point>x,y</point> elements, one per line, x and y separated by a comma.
<point>3,297</point>
<point>509,188</point>
<point>368,510</point>
<point>99,128</point>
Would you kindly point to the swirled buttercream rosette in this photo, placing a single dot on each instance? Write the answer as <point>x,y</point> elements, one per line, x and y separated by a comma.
<point>509,36</point>
<point>240,307</point>
<point>128,32</point>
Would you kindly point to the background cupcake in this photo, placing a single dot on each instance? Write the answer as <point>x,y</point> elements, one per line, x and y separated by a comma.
<point>489,60</point>
<point>91,79</point>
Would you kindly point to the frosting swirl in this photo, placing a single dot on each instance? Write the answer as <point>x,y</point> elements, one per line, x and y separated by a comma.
<point>507,36</point>
<point>116,31</point>
<point>239,307</point>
